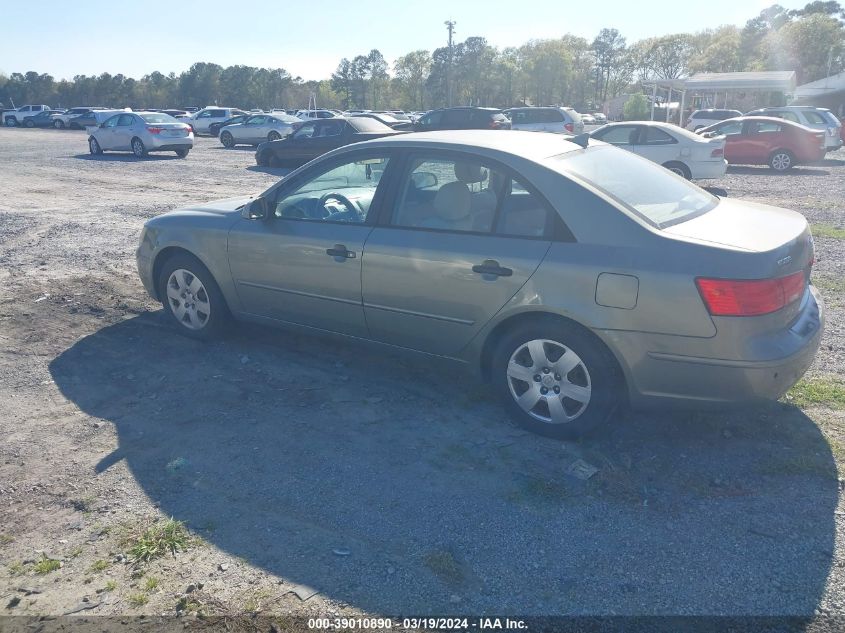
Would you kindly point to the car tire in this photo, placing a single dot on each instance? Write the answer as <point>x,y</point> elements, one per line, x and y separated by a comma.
<point>11,121</point>
<point>28,123</point>
<point>59,124</point>
<point>274,136</point>
<point>227,139</point>
<point>679,168</point>
<point>529,360</point>
<point>202,313</point>
<point>94,147</point>
<point>138,148</point>
<point>262,159</point>
<point>182,153</point>
<point>781,160</point>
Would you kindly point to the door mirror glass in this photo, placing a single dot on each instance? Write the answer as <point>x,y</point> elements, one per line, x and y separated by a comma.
<point>255,209</point>
<point>423,179</point>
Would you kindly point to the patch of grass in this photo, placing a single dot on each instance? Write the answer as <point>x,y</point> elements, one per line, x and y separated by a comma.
<point>5,539</point>
<point>111,585</point>
<point>829,284</point>
<point>18,569</point>
<point>151,584</point>
<point>138,599</point>
<point>444,565</point>
<point>46,565</point>
<point>163,537</point>
<point>188,605</point>
<point>75,552</point>
<point>535,490</point>
<point>829,392</point>
<point>100,565</point>
<point>828,230</point>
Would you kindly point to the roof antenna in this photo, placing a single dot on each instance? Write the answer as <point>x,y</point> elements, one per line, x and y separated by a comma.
<point>581,139</point>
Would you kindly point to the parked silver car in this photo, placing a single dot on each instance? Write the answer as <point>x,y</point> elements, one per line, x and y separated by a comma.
<point>572,275</point>
<point>140,133</point>
<point>259,128</point>
<point>546,119</point>
<point>820,119</point>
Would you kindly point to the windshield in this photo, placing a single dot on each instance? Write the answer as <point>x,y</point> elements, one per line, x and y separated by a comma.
<point>653,193</point>
<point>366,124</point>
<point>157,117</point>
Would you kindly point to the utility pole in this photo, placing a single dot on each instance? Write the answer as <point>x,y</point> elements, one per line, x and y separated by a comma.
<point>450,25</point>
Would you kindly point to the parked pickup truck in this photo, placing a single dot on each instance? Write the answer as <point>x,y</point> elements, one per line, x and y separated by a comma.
<point>16,117</point>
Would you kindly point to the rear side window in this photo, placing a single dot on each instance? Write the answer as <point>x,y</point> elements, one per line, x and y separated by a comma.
<point>457,117</point>
<point>814,118</point>
<point>619,135</point>
<point>757,127</point>
<point>656,136</point>
<point>552,116</point>
<point>432,118</point>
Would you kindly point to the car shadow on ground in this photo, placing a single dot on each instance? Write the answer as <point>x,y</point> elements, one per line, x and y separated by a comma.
<point>762,170</point>
<point>397,485</point>
<point>241,148</point>
<point>126,157</point>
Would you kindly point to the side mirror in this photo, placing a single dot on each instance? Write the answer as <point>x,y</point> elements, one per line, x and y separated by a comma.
<point>423,179</point>
<point>255,209</point>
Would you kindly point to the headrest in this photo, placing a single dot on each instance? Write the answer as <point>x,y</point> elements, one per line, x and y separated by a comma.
<point>453,201</point>
<point>469,173</point>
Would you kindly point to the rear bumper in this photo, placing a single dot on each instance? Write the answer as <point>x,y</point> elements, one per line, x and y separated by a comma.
<point>703,170</point>
<point>169,143</point>
<point>664,375</point>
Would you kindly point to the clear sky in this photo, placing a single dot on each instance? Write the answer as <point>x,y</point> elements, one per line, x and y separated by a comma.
<point>308,39</point>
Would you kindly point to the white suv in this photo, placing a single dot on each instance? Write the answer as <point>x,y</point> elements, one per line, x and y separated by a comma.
<point>212,114</point>
<point>546,119</point>
<point>706,118</point>
<point>820,119</point>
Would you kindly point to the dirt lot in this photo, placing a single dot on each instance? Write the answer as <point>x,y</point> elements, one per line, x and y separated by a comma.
<point>403,489</point>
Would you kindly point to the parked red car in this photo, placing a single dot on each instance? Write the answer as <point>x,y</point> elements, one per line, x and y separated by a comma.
<point>763,140</point>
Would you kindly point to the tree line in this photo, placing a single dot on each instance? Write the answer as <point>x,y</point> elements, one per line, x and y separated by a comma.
<point>568,70</point>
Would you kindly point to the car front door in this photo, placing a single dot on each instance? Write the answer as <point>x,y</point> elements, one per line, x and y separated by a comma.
<point>624,136</point>
<point>459,240</point>
<point>105,134</point>
<point>252,129</point>
<point>736,146</point>
<point>761,137</point>
<point>124,131</point>
<point>658,145</point>
<point>302,263</point>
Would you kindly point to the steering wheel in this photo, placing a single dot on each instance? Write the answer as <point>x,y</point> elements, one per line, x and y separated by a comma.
<point>351,209</point>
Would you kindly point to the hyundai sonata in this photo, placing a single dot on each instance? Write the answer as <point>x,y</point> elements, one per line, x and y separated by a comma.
<point>571,274</point>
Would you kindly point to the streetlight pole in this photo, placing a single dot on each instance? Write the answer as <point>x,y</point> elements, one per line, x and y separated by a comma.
<point>450,25</point>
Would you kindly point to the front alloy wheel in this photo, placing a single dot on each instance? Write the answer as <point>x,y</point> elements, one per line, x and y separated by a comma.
<point>188,299</point>
<point>192,298</point>
<point>94,147</point>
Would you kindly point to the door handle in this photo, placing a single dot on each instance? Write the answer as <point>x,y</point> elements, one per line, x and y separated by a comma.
<point>340,250</point>
<point>491,267</point>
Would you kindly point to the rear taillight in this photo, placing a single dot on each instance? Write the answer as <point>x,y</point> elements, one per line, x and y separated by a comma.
<point>568,127</point>
<point>716,153</point>
<point>750,297</point>
<point>154,130</point>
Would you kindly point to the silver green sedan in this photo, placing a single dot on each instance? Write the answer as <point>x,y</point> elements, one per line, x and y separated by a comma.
<point>574,276</point>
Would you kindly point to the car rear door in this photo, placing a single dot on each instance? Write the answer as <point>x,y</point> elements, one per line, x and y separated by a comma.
<point>302,264</point>
<point>456,243</point>
<point>761,138</point>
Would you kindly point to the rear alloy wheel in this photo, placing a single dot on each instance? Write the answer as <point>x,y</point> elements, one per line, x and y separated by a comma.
<point>138,148</point>
<point>227,139</point>
<point>678,168</point>
<point>274,136</point>
<point>191,297</point>
<point>781,160</point>
<point>11,121</point>
<point>59,124</point>
<point>556,380</point>
<point>182,153</point>
<point>94,147</point>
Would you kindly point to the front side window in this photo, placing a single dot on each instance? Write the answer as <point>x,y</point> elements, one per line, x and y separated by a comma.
<point>431,119</point>
<point>306,131</point>
<point>619,134</point>
<point>111,121</point>
<point>256,120</point>
<point>204,114</point>
<point>466,195</point>
<point>652,193</point>
<point>729,129</point>
<point>340,193</point>
<point>125,120</point>
<point>758,127</point>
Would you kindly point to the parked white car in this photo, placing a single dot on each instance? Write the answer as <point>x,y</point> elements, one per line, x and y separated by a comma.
<point>545,119</point>
<point>212,114</point>
<point>820,119</point>
<point>141,133</point>
<point>16,117</point>
<point>687,154</point>
<point>259,128</point>
<point>706,118</point>
<point>317,114</point>
<point>588,119</point>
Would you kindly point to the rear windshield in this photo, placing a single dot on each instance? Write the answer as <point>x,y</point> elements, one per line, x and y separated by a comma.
<point>366,124</point>
<point>651,192</point>
<point>157,117</point>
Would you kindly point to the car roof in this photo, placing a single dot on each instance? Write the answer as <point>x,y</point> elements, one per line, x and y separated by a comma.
<point>767,119</point>
<point>529,145</point>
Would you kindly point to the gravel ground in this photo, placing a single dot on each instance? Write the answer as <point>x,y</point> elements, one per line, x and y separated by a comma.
<point>405,490</point>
